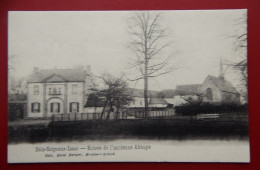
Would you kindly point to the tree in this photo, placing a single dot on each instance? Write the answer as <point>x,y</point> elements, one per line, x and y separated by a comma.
<point>194,99</point>
<point>113,93</point>
<point>15,85</point>
<point>149,44</point>
<point>240,49</point>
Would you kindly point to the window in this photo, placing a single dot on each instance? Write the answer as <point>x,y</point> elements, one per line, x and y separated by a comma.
<point>74,89</point>
<point>141,103</point>
<point>209,94</point>
<point>74,107</point>
<point>36,89</point>
<point>35,108</point>
<point>54,91</point>
<point>55,107</point>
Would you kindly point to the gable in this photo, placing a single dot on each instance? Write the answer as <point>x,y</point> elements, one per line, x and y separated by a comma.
<point>221,84</point>
<point>54,78</point>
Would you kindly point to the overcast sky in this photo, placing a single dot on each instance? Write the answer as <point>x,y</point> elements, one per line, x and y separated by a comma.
<point>99,39</point>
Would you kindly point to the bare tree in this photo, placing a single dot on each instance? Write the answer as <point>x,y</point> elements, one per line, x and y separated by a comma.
<point>149,44</point>
<point>113,93</point>
<point>240,48</point>
<point>122,100</point>
<point>15,85</point>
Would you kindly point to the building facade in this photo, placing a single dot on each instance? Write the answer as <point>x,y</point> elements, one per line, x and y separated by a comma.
<point>214,90</point>
<point>56,91</point>
<point>219,91</point>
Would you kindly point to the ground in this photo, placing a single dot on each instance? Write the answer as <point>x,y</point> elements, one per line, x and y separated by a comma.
<point>29,122</point>
<point>179,128</point>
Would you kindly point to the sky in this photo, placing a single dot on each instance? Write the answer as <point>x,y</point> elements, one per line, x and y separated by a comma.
<point>62,39</point>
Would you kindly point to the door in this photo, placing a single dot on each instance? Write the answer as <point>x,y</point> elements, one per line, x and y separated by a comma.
<point>55,107</point>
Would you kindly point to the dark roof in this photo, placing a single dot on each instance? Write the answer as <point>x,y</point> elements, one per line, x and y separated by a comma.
<point>189,89</point>
<point>158,101</point>
<point>58,75</point>
<point>140,92</point>
<point>222,84</point>
<point>167,93</point>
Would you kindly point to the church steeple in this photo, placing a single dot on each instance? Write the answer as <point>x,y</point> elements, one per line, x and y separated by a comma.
<point>221,73</point>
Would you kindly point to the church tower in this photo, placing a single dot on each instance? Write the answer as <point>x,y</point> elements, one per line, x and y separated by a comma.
<point>221,73</point>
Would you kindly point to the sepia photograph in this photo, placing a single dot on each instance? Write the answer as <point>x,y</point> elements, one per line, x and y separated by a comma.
<point>128,86</point>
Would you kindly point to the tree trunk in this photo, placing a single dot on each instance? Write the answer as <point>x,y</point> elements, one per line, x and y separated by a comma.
<point>117,112</point>
<point>108,114</point>
<point>103,110</point>
<point>146,81</point>
<point>146,95</point>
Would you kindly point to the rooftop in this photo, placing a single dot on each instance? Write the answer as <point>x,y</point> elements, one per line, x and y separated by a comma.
<point>57,75</point>
<point>188,89</point>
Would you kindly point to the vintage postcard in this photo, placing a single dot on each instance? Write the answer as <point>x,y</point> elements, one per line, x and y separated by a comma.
<point>127,86</point>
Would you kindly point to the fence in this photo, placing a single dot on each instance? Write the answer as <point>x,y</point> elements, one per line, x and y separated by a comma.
<point>121,115</point>
<point>76,117</point>
<point>152,115</point>
<point>234,116</point>
<point>161,114</point>
<point>207,116</point>
<point>139,114</point>
<point>223,116</point>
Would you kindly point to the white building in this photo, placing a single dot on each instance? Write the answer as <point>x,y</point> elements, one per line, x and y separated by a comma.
<point>153,100</point>
<point>57,91</point>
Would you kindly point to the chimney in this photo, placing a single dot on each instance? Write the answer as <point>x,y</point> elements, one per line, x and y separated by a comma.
<point>35,70</point>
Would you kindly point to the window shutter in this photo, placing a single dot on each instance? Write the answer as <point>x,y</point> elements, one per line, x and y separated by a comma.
<point>70,107</point>
<point>51,107</point>
<point>58,107</point>
<point>32,107</point>
<point>39,108</point>
<point>77,107</point>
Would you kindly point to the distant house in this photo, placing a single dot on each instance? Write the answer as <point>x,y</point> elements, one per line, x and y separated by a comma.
<point>158,103</point>
<point>215,90</point>
<point>57,91</point>
<point>219,90</point>
<point>155,101</point>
